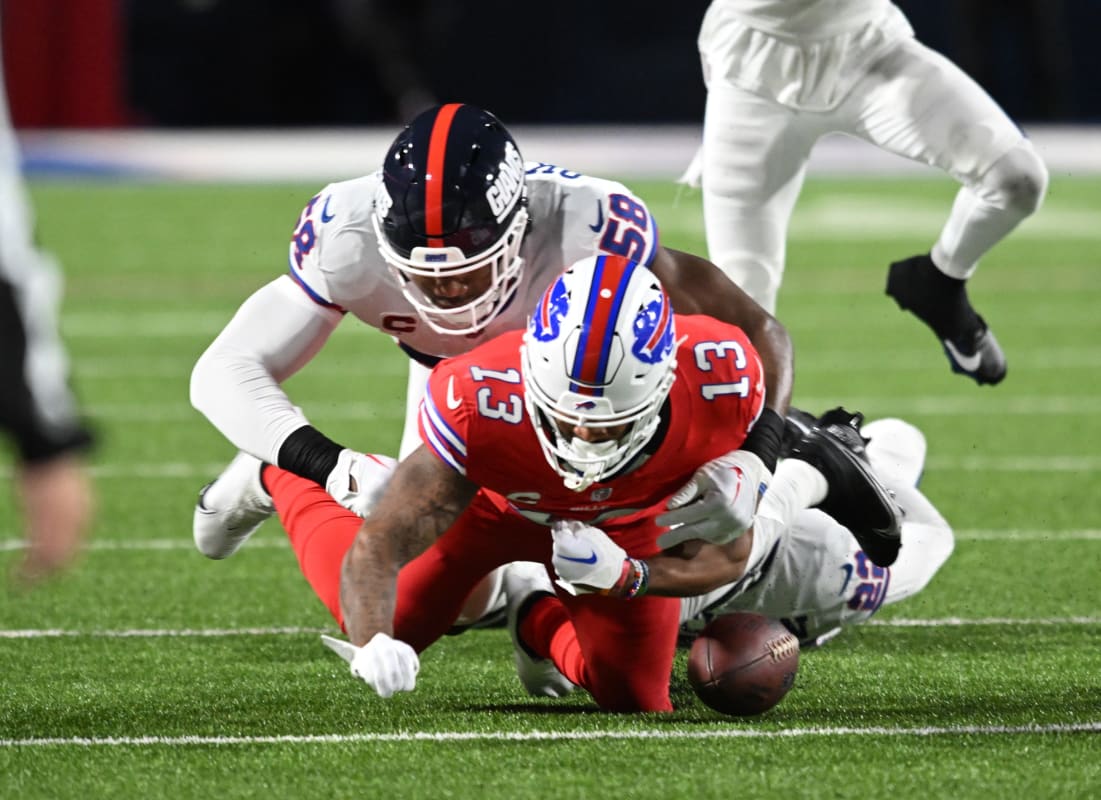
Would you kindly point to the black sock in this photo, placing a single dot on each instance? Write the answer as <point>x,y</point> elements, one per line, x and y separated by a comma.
<point>939,300</point>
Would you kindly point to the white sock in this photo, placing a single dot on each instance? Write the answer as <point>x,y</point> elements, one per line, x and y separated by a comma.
<point>795,486</point>
<point>983,214</point>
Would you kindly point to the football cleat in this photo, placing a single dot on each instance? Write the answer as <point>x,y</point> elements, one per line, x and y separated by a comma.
<point>797,423</point>
<point>856,498</point>
<point>231,508</point>
<point>525,582</point>
<point>941,302</point>
<point>494,611</point>
<point>977,355</point>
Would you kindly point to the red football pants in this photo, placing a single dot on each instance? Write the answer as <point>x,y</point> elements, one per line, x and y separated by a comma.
<point>620,651</point>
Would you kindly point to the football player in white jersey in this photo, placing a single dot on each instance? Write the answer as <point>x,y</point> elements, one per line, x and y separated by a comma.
<point>780,74</point>
<point>448,245</point>
<point>38,413</point>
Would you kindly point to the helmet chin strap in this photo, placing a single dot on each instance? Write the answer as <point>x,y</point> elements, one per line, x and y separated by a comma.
<point>591,473</point>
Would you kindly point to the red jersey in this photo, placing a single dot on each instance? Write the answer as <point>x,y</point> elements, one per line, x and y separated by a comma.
<point>473,418</point>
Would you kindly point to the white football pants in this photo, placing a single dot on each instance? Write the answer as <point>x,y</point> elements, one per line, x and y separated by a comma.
<point>913,102</point>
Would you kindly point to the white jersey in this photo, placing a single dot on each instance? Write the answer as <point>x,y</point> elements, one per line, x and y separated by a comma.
<point>336,269</point>
<point>814,576</point>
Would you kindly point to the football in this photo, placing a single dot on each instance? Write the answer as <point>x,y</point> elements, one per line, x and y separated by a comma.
<point>743,664</point>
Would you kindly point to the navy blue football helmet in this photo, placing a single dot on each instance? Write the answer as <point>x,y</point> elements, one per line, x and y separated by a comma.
<point>453,201</point>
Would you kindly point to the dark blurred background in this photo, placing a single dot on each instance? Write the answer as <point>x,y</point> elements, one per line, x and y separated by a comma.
<point>243,63</point>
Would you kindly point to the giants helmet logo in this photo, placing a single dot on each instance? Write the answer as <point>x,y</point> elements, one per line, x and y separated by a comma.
<point>508,186</point>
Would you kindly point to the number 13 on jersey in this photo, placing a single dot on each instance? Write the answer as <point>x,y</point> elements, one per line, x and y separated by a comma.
<point>711,354</point>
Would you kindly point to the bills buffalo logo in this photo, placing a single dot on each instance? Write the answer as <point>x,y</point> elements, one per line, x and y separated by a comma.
<point>546,322</point>
<point>653,331</point>
<point>584,405</point>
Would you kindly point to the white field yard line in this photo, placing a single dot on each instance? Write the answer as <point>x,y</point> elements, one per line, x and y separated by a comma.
<point>148,633</point>
<point>145,545</point>
<point>555,736</point>
<point>279,543</point>
<point>842,217</point>
<point>394,366</point>
<point>924,405</point>
<point>959,622</point>
<point>385,366</point>
<point>290,630</point>
<point>173,470</point>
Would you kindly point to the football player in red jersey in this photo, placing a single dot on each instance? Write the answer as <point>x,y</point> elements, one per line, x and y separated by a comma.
<point>626,401</point>
<point>445,247</point>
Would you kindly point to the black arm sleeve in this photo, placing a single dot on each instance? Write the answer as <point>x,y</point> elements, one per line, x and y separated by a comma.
<point>764,440</point>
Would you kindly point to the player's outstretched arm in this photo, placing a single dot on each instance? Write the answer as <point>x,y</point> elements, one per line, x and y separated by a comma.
<point>422,500</point>
<point>719,503</point>
<point>585,559</point>
<point>696,286</point>
<point>236,382</point>
<point>696,567</point>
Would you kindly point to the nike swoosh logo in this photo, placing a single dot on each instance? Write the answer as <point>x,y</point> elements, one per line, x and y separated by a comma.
<point>599,218</point>
<point>590,560</point>
<point>325,215</point>
<point>848,570</point>
<point>202,496</point>
<point>967,363</point>
<point>452,401</point>
<point>740,477</point>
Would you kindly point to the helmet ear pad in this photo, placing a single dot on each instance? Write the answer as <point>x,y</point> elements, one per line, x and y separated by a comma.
<point>452,200</point>
<point>599,352</point>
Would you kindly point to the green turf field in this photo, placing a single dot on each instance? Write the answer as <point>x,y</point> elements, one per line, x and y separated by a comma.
<point>153,672</point>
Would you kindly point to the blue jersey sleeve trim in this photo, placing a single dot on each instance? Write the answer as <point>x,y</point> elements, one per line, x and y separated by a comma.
<point>321,301</point>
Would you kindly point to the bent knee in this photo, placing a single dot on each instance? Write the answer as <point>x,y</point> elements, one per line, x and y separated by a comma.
<point>943,543</point>
<point>1018,180</point>
<point>936,541</point>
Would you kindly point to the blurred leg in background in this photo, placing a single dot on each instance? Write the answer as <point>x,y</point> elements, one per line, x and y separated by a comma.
<point>37,410</point>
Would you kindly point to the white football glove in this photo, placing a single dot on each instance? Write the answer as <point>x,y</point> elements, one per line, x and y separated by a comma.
<point>357,480</point>
<point>385,664</point>
<point>585,558</point>
<point>719,503</point>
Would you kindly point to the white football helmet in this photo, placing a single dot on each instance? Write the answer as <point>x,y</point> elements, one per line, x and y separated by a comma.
<point>600,352</point>
<point>452,202</point>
